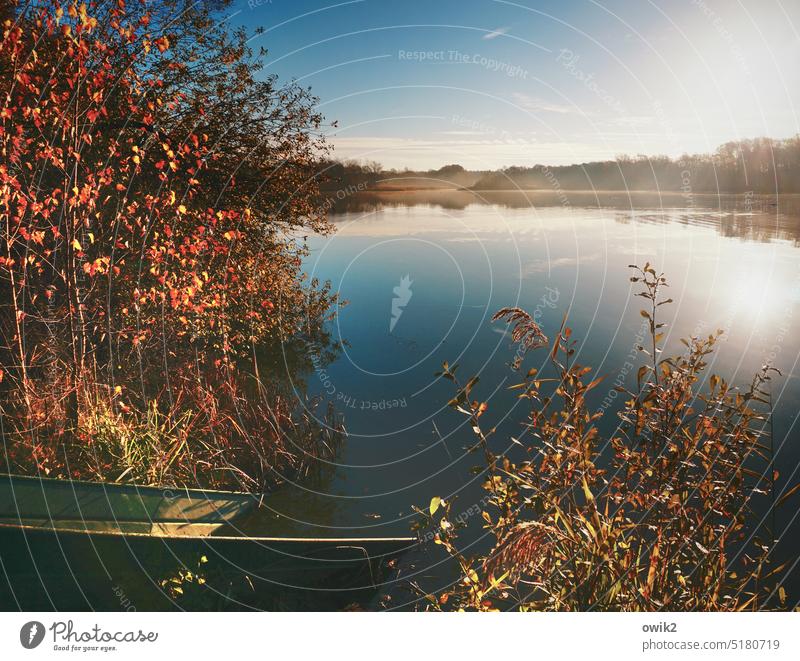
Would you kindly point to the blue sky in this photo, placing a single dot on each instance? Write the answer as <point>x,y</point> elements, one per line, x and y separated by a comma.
<point>491,83</point>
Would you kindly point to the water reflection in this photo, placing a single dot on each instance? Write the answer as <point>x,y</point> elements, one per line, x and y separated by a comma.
<point>751,217</point>
<point>729,269</point>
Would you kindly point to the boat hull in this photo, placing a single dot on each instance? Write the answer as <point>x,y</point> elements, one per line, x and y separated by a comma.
<point>71,545</point>
<point>56,569</point>
<point>43,501</point>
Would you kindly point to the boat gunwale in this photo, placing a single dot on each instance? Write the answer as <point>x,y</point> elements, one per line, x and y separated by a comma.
<point>412,541</point>
<point>199,491</point>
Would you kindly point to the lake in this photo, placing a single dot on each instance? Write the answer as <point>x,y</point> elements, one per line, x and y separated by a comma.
<point>424,273</point>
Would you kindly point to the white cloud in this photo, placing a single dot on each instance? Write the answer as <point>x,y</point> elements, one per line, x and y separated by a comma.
<point>462,133</point>
<point>634,120</point>
<point>498,32</point>
<point>473,152</point>
<point>537,105</point>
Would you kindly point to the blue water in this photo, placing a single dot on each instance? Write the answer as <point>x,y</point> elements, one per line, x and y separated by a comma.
<point>728,268</point>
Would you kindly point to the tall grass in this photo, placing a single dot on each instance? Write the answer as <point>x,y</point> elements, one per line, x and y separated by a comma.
<point>220,429</point>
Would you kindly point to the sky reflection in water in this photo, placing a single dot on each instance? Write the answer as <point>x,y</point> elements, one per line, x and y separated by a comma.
<point>731,270</point>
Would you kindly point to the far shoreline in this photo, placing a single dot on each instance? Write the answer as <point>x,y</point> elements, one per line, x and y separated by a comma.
<point>577,191</point>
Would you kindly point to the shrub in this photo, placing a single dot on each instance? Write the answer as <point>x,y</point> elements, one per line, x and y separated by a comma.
<point>153,184</point>
<point>665,522</point>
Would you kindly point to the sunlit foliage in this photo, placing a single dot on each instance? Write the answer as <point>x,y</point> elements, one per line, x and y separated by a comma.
<point>666,522</point>
<point>151,185</point>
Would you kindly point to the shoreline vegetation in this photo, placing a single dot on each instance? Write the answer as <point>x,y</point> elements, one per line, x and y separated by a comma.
<point>673,511</point>
<point>152,184</point>
<point>756,166</point>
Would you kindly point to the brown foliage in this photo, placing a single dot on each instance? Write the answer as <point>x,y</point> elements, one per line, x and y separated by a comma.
<point>665,523</point>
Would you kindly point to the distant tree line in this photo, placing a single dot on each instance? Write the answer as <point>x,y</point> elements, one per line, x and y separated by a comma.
<point>345,177</point>
<point>760,165</point>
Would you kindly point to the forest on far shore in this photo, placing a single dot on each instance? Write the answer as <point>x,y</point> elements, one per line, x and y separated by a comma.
<point>760,165</point>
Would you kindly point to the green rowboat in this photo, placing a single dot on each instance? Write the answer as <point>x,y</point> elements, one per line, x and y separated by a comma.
<point>74,504</point>
<point>67,545</point>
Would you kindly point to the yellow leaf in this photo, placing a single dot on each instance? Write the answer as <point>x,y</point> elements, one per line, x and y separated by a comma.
<point>76,245</point>
<point>586,491</point>
<point>435,502</point>
<point>494,582</point>
<point>181,209</point>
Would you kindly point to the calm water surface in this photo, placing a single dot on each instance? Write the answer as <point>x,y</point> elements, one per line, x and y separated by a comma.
<point>423,279</point>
